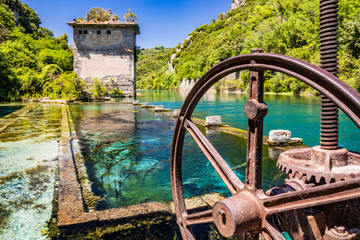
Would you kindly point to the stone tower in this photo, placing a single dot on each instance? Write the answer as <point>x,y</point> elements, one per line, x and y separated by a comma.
<point>106,51</point>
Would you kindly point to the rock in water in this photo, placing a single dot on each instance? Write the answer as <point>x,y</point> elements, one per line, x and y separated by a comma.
<point>279,135</point>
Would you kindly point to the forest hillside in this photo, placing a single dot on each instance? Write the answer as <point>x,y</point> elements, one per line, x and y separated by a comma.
<point>289,27</point>
<point>33,63</point>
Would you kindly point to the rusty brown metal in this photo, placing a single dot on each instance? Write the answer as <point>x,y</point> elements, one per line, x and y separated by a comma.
<point>318,165</point>
<point>328,51</point>
<point>255,110</point>
<point>249,209</point>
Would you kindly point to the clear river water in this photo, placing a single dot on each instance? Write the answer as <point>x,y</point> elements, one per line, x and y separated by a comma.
<point>127,148</point>
<point>127,151</point>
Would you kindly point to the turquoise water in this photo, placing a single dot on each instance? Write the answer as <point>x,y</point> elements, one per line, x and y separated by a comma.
<point>28,165</point>
<point>6,109</point>
<point>127,152</point>
<point>127,148</point>
<point>299,114</point>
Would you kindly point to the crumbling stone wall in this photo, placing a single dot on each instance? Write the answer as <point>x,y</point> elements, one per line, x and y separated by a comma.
<point>106,51</point>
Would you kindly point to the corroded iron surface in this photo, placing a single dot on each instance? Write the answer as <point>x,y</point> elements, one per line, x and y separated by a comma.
<point>250,210</point>
<point>319,165</point>
<point>328,51</point>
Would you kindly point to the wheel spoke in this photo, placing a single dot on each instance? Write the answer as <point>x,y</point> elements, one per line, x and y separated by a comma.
<point>230,179</point>
<point>255,110</point>
<point>186,233</point>
<point>320,195</point>
<point>271,232</point>
<point>199,218</point>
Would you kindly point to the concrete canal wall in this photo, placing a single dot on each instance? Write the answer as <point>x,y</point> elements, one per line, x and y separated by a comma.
<point>76,202</point>
<point>74,208</point>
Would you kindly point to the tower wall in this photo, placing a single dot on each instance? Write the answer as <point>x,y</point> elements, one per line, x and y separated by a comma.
<point>106,51</point>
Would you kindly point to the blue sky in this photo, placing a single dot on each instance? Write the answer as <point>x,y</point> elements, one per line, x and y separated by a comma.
<point>162,23</point>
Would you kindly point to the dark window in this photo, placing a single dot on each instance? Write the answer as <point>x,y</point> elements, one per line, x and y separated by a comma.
<point>80,31</point>
<point>108,32</point>
<point>98,32</point>
<point>85,31</point>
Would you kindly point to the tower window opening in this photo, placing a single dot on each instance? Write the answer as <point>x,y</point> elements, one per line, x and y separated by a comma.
<point>85,31</point>
<point>80,31</point>
<point>98,32</point>
<point>108,32</point>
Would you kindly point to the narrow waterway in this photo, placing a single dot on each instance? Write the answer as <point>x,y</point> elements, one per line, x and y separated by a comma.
<point>127,153</point>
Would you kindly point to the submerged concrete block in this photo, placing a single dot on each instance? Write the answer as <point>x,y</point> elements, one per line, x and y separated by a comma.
<point>279,135</point>
<point>213,121</point>
<point>296,140</point>
<point>159,107</point>
<point>176,113</point>
<point>145,105</point>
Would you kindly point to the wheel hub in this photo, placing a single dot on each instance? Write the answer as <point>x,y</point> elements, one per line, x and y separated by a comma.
<point>238,214</point>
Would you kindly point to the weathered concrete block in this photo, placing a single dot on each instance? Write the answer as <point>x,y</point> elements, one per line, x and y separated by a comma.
<point>176,113</point>
<point>159,107</point>
<point>279,135</point>
<point>145,104</point>
<point>213,121</point>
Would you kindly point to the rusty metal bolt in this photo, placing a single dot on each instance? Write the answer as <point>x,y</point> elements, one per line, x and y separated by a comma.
<point>253,109</point>
<point>237,214</point>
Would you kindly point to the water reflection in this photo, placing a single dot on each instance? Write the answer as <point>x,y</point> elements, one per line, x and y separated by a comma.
<point>127,151</point>
<point>299,114</point>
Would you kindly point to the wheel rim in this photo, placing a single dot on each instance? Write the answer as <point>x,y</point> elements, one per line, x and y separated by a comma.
<point>340,93</point>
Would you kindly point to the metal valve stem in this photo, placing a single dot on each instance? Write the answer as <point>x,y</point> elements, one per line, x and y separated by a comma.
<point>328,51</point>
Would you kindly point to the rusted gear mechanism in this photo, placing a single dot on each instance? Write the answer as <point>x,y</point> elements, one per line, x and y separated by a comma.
<point>320,166</point>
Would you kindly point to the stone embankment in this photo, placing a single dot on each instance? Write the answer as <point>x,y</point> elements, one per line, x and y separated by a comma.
<point>75,206</point>
<point>76,213</point>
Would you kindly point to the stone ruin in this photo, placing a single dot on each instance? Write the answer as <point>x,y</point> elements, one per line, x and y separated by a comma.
<point>106,51</point>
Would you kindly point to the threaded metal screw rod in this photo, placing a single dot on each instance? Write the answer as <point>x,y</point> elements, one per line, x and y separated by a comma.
<point>328,51</point>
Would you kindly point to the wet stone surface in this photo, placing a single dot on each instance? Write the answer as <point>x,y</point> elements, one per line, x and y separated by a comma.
<point>28,159</point>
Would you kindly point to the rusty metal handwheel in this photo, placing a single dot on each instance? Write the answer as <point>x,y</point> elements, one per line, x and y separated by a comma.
<point>249,209</point>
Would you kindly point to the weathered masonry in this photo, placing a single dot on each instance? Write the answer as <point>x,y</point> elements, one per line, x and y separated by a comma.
<point>106,51</point>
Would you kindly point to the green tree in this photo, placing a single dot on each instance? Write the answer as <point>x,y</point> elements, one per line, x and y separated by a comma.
<point>27,17</point>
<point>350,37</point>
<point>98,89</point>
<point>130,16</point>
<point>7,22</point>
<point>67,86</point>
<point>99,14</point>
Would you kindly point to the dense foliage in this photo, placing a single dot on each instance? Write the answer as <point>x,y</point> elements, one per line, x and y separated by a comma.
<point>98,14</point>
<point>288,27</point>
<point>151,69</point>
<point>32,62</point>
<point>130,16</point>
<point>26,19</point>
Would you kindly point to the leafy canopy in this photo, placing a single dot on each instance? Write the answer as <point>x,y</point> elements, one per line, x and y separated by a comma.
<point>289,27</point>
<point>130,16</point>
<point>99,14</point>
